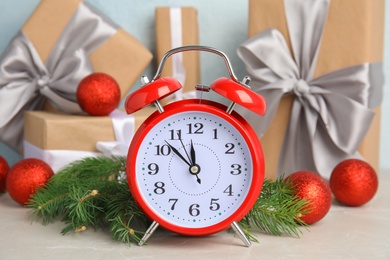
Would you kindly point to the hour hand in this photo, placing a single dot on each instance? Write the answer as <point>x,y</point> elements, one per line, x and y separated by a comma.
<point>178,153</point>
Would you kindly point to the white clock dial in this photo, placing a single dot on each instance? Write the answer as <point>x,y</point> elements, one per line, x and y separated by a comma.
<point>193,169</point>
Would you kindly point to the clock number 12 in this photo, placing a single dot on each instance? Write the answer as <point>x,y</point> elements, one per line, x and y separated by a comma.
<point>196,128</point>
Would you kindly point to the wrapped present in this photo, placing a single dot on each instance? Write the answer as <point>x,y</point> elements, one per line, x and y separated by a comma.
<point>60,44</point>
<point>319,66</point>
<point>59,139</point>
<point>175,27</point>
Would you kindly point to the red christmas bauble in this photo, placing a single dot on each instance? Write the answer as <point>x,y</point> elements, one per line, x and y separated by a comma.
<point>4,168</point>
<point>25,177</point>
<point>315,189</point>
<point>98,94</point>
<point>353,182</point>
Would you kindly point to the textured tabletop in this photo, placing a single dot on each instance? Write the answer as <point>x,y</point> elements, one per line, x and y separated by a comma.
<point>344,233</point>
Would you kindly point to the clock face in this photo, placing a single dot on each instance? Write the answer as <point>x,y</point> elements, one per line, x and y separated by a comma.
<point>193,170</point>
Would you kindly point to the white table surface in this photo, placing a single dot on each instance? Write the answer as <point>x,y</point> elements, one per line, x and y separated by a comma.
<point>344,233</point>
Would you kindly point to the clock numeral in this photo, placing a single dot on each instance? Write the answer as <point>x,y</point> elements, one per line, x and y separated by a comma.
<point>173,136</point>
<point>153,168</point>
<point>195,128</point>
<point>236,169</point>
<point>215,131</point>
<point>229,190</point>
<point>163,149</point>
<point>194,210</point>
<point>230,148</point>
<point>159,188</point>
<point>214,206</point>
<point>174,203</point>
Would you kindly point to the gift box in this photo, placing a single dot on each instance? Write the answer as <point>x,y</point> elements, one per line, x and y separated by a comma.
<point>119,54</point>
<point>59,139</point>
<point>60,44</point>
<point>175,27</point>
<point>329,55</point>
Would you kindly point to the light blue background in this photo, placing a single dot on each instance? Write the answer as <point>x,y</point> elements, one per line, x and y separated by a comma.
<point>222,24</point>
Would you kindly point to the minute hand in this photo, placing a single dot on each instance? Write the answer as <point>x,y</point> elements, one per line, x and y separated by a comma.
<point>193,156</point>
<point>178,153</point>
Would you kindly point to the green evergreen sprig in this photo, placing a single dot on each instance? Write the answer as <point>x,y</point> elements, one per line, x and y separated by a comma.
<point>93,193</point>
<point>276,211</point>
<point>90,193</point>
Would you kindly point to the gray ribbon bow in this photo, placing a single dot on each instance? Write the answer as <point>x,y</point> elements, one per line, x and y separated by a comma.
<point>330,114</point>
<point>25,81</point>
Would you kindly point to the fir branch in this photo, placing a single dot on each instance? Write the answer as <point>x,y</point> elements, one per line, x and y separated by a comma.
<point>49,201</point>
<point>65,194</point>
<point>90,193</point>
<point>121,231</point>
<point>124,216</point>
<point>276,211</point>
<point>83,210</point>
<point>92,168</point>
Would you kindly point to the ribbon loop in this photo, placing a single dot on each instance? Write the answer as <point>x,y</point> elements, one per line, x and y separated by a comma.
<point>124,129</point>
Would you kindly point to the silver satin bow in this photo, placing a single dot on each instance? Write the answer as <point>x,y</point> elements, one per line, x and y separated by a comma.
<point>25,81</point>
<point>330,114</point>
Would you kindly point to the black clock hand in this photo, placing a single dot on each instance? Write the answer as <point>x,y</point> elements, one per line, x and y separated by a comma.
<point>178,153</point>
<point>182,145</point>
<point>194,168</point>
<point>198,179</point>
<point>193,157</point>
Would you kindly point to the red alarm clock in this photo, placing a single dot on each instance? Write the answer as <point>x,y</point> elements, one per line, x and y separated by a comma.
<point>195,167</point>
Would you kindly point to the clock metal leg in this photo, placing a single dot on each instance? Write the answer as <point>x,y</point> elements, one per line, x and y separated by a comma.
<point>245,81</point>
<point>158,105</point>
<point>229,110</point>
<point>148,233</point>
<point>240,234</point>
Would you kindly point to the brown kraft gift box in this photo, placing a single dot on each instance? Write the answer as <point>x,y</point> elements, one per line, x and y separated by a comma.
<point>190,36</point>
<point>348,39</point>
<point>121,56</point>
<point>49,130</point>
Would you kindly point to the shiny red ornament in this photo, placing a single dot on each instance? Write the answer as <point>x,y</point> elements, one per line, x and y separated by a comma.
<point>353,182</point>
<point>98,94</point>
<point>4,168</point>
<point>25,177</point>
<point>315,189</point>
